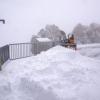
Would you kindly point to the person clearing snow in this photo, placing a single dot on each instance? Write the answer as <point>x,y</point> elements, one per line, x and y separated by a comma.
<point>69,42</point>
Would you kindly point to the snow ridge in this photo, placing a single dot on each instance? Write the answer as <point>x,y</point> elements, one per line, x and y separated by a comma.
<point>57,74</point>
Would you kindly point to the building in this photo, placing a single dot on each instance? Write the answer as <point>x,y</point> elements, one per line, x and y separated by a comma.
<point>40,44</point>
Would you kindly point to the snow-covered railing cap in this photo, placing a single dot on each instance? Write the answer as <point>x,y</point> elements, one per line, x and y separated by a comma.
<point>43,39</point>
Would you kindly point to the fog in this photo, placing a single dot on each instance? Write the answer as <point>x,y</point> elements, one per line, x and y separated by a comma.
<point>26,17</point>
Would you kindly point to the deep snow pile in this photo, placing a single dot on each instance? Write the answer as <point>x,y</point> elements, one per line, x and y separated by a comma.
<point>58,74</point>
<point>90,50</point>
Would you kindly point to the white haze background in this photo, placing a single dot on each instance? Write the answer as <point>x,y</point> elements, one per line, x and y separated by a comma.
<point>26,17</point>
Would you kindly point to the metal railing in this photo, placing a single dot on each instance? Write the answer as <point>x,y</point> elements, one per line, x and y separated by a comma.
<point>20,50</point>
<point>16,51</point>
<point>4,54</point>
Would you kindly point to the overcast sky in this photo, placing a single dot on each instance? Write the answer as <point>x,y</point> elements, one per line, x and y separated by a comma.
<point>26,17</point>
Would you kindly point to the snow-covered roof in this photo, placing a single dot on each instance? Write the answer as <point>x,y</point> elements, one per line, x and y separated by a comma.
<point>43,39</point>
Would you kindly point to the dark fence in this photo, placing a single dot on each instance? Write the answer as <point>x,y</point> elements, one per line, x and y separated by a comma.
<point>4,54</point>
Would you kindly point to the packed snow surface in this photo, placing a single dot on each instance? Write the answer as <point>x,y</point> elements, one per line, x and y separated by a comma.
<point>57,74</point>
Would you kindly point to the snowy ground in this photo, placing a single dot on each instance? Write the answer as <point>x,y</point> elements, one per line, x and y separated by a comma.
<point>57,74</point>
<point>90,50</point>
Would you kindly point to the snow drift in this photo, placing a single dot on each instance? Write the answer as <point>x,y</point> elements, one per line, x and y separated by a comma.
<point>57,74</point>
<point>90,50</point>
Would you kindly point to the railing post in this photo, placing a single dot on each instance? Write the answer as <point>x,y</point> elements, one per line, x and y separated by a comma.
<point>1,62</point>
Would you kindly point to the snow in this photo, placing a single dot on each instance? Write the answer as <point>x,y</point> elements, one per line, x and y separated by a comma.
<point>57,74</point>
<point>94,45</point>
<point>43,39</point>
<point>90,50</point>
